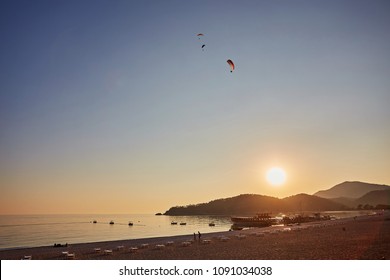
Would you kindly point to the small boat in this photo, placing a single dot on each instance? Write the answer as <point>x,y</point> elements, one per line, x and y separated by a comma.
<point>130,223</point>
<point>211,224</point>
<point>173,223</point>
<point>183,224</point>
<point>112,222</point>
<point>94,221</point>
<point>235,227</point>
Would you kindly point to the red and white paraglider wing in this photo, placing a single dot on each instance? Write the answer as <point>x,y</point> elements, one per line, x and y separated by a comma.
<point>231,64</point>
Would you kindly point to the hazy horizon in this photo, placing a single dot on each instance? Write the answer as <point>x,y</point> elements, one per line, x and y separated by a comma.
<point>180,204</point>
<point>115,107</point>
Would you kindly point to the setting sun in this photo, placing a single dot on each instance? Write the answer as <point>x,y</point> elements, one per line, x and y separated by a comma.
<point>276,176</point>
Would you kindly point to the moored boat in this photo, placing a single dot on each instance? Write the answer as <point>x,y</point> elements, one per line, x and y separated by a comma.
<point>112,222</point>
<point>260,220</point>
<point>298,219</point>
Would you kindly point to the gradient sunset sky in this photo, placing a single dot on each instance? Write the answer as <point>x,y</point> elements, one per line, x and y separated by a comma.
<point>113,106</point>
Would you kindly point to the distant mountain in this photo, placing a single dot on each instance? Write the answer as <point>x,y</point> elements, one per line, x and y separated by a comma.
<point>374,198</point>
<point>250,204</point>
<point>350,190</point>
<point>305,202</point>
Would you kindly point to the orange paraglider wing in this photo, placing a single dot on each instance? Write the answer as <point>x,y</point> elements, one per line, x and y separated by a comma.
<point>231,64</point>
<point>200,34</point>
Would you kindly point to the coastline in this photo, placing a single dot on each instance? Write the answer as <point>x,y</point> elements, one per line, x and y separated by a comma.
<point>366,237</point>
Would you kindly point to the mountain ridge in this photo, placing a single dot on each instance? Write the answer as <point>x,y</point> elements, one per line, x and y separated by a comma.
<point>350,189</point>
<point>250,204</point>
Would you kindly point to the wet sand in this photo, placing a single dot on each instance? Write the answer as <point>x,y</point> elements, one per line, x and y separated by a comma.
<point>364,238</point>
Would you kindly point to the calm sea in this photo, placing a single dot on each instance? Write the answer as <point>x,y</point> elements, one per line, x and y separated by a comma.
<point>40,230</point>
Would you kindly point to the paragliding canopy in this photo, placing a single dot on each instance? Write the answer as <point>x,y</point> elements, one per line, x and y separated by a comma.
<point>203,46</point>
<point>200,34</point>
<point>231,64</point>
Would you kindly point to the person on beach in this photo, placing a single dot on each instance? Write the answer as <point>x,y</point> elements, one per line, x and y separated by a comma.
<point>199,235</point>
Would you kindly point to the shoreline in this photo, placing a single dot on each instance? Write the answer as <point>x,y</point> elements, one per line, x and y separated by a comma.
<point>79,228</point>
<point>366,237</point>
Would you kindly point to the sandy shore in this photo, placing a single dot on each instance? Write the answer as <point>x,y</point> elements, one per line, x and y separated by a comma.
<point>365,238</point>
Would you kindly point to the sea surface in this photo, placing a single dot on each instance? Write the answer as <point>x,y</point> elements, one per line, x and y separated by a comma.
<point>18,231</point>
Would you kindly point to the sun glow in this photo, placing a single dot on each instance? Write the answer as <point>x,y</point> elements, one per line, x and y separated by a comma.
<point>276,176</point>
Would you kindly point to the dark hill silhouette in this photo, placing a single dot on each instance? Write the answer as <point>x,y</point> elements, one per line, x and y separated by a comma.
<point>343,196</point>
<point>250,204</point>
<point>352,190</point>
<point>350,202</point>
<point>242,204</point>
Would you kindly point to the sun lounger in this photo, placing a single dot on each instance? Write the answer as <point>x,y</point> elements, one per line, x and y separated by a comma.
<point>27,258</point>
<point>144,245</point>
<point>120,247</point>
<point>185,243</point>
<point>65,254</point>
<point>71,256</point>
<point>97,250</point>
<point>108,252</point>
<point>160,246</point>
<point>133,249</point>
<point>169,243</point>
<point>206,241</point>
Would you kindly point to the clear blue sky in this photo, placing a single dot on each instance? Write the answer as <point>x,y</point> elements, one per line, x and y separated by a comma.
<point>113,107</point>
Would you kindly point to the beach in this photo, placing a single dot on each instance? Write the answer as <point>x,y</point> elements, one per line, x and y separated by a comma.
<point>360,238</point>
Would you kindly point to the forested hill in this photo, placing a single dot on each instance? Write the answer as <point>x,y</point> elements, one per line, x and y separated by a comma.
<point>250,204</point>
